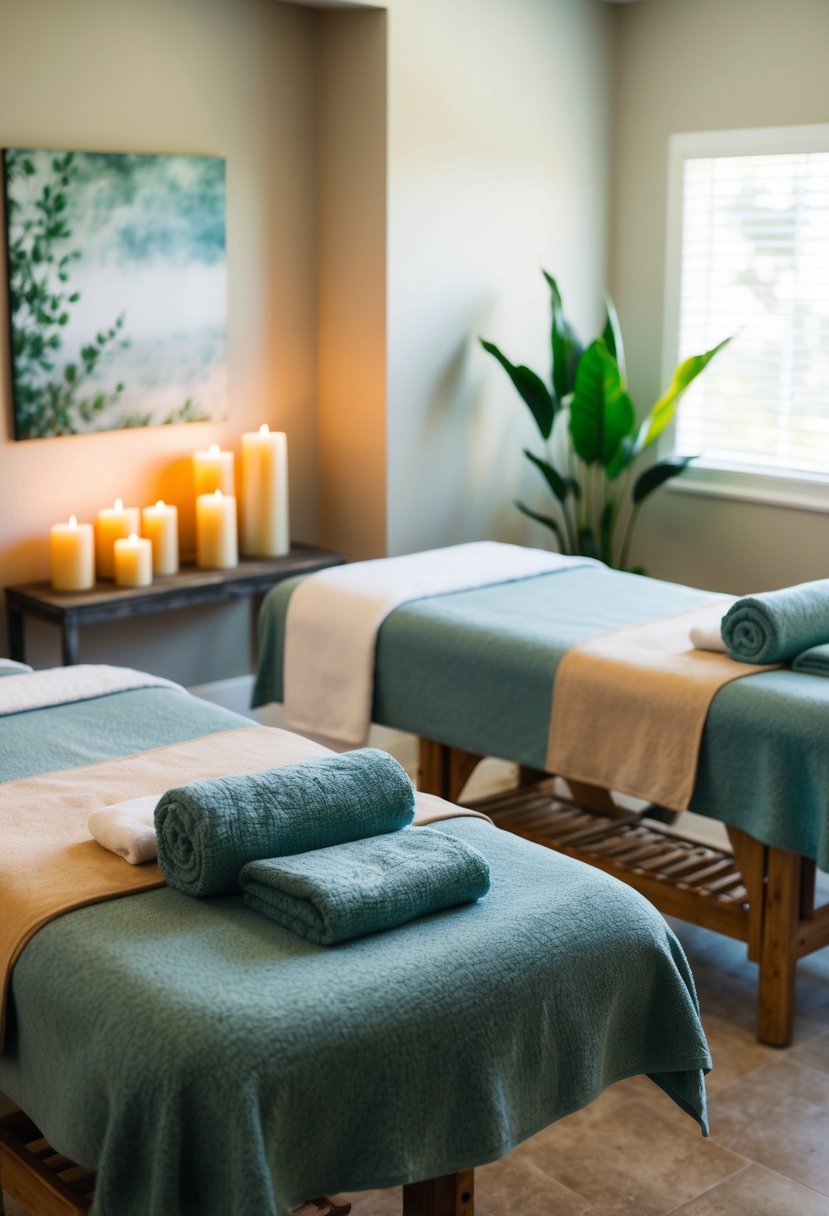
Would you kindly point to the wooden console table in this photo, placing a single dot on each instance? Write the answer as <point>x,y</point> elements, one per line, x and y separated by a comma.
<point>191,587</point>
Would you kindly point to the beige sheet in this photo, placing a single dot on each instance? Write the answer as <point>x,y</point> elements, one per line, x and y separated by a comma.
<point>629,707</point>
<point>49,864</point>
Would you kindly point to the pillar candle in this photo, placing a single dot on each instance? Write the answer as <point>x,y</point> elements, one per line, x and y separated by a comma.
<point>216,545</point>
<point>213,470</point>
<point>112,524</point>
<point>133,561</point>
<point>72,556</point>
<point>160,525</point>
<point>265,530</point>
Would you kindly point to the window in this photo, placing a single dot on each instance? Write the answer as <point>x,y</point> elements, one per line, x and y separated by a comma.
<point>748,255</point>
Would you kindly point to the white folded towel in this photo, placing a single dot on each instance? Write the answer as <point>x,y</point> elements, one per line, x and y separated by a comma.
<point>127,828</point>
<point>706,634</point>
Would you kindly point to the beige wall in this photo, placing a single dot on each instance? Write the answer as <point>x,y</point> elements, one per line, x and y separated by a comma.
<point>499,129</point>
<point>352,282</point>
<point>696,65</point>
<point>233,79</point>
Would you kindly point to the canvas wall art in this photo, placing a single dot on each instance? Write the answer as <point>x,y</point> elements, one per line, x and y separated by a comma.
<point>117,290</point>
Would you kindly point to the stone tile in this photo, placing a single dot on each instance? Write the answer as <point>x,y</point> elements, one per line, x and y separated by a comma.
<point>633,1157</point>
<point>756,1191</point>
<point>764,1118</point>
<point>814,1053</point>
<point>513,1185</point>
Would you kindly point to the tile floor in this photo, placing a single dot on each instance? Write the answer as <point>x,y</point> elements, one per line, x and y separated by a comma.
<point>633,1153</point>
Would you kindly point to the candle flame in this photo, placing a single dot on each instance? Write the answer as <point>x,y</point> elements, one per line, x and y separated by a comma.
<point>264,429</point>
<point>133,538</point>
<point>217,493</point>
<point>160,502</point>
<point>119,506</point>
<point>73,521</point>
<point>213,449</point>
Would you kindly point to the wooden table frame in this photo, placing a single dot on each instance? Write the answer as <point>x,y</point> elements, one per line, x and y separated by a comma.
<point>45,1183</point>
<point>191,587</point>
<point>758,894</point>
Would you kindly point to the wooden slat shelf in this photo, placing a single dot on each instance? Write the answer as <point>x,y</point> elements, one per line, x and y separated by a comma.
<point>757,893</point>
<point>683,877</point>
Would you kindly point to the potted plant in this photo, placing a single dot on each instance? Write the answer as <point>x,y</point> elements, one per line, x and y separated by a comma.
<point>597,491</point>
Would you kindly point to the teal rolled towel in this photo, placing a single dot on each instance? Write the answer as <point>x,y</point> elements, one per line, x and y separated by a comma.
<point>814,661</point>
<point>207,830</point>
<point>775,626</point>
<point>333,895</point>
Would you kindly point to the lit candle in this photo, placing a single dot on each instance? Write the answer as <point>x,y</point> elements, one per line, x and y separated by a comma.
<point>160,525</point>
<point>133,559</point>
<point>265,530</point>
<point>213,470</point>
<point>216,546</point>
<point>72,556</point>
<point>112,524</point>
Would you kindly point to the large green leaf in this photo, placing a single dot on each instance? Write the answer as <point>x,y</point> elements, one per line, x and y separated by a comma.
<point>613,336</point>
<point>532,389</point>
<point>566,348</point>
<point>560,486</point>
<point>601,412</point>
<point>663,411</point>
<point>657,474</point>
<point>547,521</point>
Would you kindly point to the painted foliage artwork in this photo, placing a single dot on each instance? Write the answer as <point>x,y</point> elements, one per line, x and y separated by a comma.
<point>117,290</point>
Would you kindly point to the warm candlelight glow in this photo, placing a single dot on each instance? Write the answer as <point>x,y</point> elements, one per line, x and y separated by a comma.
<point>265,531</point>
<point>159,524</point>
<point>216,542</point>
<point>133,561</point>
<point>113,523</point>
<point>213,470</point>
<point>72,556</point>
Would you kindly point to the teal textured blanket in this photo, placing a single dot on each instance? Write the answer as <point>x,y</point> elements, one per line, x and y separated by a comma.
<point>208,830</point>
<point>814,661</point>
<point>363,886</point>
<point>475,670</point>
<point>207,1062</point>
<point>775,626</point>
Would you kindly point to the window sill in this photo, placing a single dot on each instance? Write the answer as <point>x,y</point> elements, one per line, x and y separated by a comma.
<point>773,489</point>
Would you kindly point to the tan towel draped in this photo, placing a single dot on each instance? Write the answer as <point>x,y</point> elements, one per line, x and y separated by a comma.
<point>49,863</point>
<point>629,706</point>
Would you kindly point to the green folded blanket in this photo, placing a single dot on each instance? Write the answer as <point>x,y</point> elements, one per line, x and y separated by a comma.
<point>360,887</point>
<point>775,626</point>
<point>814,661</point>
<point>207,830</point>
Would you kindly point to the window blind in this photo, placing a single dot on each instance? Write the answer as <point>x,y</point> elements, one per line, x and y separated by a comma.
<point>754,262</point>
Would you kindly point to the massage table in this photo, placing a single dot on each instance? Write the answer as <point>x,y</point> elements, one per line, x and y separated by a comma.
<point>189,1057</point>
<point>471,673</point>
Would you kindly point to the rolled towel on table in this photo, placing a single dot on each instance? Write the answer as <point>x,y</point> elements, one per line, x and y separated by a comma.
<point>775,626</point>
<point>207,830</point>
<point>814,661</point>
<point>127,828</point>
<point>335,894</point>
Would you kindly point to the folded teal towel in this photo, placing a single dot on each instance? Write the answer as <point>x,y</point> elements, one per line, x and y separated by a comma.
<point>332,895</point>
<point>775,626</point>
<point>207,830</point>
<point>814,661</point>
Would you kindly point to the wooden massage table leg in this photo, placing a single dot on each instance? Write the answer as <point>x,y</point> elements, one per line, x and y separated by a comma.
<point>450,1195</point>
<point>445,770</point>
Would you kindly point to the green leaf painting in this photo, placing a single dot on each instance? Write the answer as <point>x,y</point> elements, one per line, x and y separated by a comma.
<point>117,290</point>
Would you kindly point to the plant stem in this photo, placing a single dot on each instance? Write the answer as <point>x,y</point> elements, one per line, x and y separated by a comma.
<point>623,556</point>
